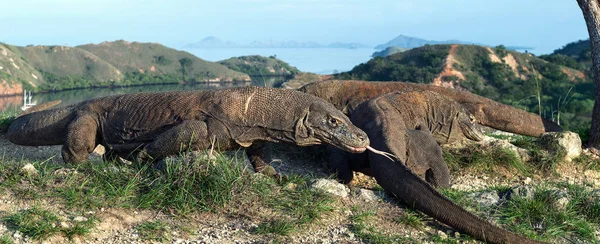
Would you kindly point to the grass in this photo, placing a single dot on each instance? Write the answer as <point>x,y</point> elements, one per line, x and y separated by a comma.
<point>5,119</point>
<point>183,188</point>
<point>369,233</point>
<point>6,239</point>
<point>543,216</point>
<point>412,219</point>
<point>154,231</point>
<point>482,159</point>
<point>39,224</point>
<point>277,227</point>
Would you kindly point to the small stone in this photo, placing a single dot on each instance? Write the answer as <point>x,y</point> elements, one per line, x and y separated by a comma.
<point>527,181</point>
<point>291,186</point>
<point>17,235</point>
<point>64,224</point>
<point>442,234</point>
<point>29,169</point>
<point>367,195</point>
<point>80,219</point>
<point>332,187</point>
<point>486,199</point>
<point>525,191</point>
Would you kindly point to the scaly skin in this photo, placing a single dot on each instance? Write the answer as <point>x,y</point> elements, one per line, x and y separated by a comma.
<point>151,126</point>
<point>416,122</point>
<point>410,125</point>
<point>347,95</point>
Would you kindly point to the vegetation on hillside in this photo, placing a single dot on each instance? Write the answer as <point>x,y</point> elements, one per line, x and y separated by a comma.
<point>119,63</point>
<point>419,65</point>
<point>388,51</point>
<point>255,65</point>
<point>531,83</point>
<point>576,55</point>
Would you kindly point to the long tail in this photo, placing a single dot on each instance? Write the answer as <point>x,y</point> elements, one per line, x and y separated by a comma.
<point>41,107</point>
<point>406,186</point>
<point>41,128</point>
<point>500,116</point>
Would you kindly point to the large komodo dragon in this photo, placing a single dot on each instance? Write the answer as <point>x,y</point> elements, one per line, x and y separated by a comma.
<point>147,126</point>
<point>395,177</point>
<point>347,95</point>
<point>410,125</point>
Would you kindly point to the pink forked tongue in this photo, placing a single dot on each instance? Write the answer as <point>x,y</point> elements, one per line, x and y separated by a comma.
<point>382,153</point>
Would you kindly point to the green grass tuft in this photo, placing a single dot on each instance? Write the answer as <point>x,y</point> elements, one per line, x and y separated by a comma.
<point>154,231</point>
<point>369,233</point>
<point>277,227</point>
<point>6,239</point>
<point>476,157</point>
<point>35,222</point>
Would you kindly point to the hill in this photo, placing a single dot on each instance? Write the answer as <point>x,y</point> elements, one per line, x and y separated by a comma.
<point>256,65</point>
<point>15,72</point>
<point>119,63</point>
<point>155,58</point>
<point>577,55</point>
<point>522,80</point>
<point>388,51</point>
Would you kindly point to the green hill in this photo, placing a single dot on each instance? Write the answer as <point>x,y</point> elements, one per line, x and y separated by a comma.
<point>15,72</point>
<point>256,65</point>
<point>119,63</point>
<point>388,51</point>
<point>513,78</point>
<point>577,55</point>
<point>130,57</point>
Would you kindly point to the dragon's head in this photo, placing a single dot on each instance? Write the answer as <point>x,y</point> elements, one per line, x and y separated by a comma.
<point>322,122</point>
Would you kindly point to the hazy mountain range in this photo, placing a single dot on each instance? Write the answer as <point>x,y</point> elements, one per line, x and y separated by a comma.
<point>215,42</point>
<point>407,42</point>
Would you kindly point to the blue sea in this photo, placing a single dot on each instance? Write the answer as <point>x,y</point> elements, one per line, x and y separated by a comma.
<point>315,60</point>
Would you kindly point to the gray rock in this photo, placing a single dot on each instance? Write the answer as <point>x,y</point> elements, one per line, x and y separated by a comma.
<point>486,199</point>
<point>332,187</point>
<point>29,169</point>
<point>80,219</point>
<point>524,191</point>
<point>566,140</point>
<point>368,195</point>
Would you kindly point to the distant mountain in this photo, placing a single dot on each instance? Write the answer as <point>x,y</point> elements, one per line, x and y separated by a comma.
<point>412,42</point>
<point>214,42</point>
<point>350,45</point>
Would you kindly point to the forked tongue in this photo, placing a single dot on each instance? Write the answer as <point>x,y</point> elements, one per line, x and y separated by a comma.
<point>382,153</point>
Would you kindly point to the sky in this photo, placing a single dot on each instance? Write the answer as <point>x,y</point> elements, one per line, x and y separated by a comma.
<point>543,24</point>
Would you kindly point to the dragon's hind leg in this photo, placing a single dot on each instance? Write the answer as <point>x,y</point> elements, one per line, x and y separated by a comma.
<point>188,136</point>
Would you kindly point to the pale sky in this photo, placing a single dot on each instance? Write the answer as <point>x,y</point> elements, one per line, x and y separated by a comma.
<point>543,24</point>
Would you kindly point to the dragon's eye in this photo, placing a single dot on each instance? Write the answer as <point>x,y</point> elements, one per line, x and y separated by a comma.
<point>333,121</point>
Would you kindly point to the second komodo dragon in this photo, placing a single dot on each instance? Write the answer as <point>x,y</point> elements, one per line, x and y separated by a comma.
<point>410,125</point>
<point>147,126</point>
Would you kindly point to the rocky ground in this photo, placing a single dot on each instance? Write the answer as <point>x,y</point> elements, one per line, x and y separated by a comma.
<point>116,225</point>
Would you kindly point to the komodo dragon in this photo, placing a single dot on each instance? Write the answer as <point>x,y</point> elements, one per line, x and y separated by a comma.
<point>347,95</point>
<point>148,126</point>
<point>410,125</point>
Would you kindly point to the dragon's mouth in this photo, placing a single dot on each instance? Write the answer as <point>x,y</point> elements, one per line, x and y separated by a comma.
<point>356,149</point>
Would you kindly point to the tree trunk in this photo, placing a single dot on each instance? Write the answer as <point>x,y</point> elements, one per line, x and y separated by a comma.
<point>591,14</point>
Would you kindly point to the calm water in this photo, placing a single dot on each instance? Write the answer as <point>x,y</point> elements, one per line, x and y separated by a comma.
<point>316,60</point>
<point>14,103</point>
